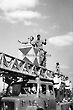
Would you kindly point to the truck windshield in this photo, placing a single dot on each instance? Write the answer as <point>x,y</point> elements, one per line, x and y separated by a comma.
<point>7,105</point>
<point>29,88</point>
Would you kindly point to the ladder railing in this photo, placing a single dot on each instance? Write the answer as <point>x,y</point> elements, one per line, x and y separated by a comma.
<point>14,64</point>
<point>10,62</point>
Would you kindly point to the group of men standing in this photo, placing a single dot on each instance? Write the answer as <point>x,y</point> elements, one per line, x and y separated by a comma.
<point>62,87</point>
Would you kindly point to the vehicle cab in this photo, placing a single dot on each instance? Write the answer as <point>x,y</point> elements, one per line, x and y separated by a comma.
<point>35,94</point>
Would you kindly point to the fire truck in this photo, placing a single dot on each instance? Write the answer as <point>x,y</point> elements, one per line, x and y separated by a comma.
<point>30,85</point>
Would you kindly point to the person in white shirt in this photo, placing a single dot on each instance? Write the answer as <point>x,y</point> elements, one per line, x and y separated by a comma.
<point>56,81</point>
<point>67,87</point>
<point>56,84</point>
<point>67,83</point>
<point>70,86</point>
<point>71,93</point>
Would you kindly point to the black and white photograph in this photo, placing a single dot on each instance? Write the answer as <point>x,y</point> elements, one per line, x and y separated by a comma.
<point>36,54</point>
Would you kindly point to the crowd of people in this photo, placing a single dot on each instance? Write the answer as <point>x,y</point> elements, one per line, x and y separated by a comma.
<point>62,87</point>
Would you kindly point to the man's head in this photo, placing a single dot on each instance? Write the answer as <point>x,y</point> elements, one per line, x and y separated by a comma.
<point>57,63</point>
<point>38,37</point>
<point>66,78</point>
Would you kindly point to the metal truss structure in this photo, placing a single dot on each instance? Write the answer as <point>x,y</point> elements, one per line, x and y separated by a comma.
<point>13,69</point>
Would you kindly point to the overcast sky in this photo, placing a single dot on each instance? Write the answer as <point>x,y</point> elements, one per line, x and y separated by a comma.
<point>52,19</point>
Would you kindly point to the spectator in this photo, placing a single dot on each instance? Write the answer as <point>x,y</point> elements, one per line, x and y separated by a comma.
<point>67,87</point>
<point>56,84</point>
<point>33,90</point>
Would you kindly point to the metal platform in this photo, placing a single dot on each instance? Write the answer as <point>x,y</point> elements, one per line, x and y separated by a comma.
<point>13,68</point>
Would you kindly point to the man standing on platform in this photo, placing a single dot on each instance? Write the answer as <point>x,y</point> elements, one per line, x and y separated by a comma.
<point>38,44</point>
